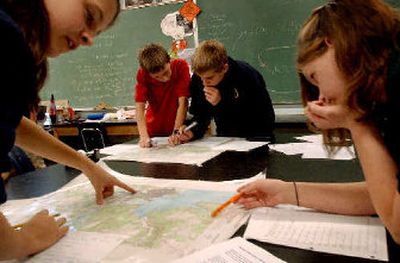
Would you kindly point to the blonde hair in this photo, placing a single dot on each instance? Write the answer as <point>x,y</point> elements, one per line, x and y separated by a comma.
<point>362,48</point>
<point>210,55</point>
<point>153,57</point>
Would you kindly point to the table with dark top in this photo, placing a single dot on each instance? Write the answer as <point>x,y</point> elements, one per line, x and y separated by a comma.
<point>226,166</point>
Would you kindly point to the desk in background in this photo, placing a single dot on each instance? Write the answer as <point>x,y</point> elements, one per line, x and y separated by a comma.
<point>113,128</point>
<point>229,165</point>
<point>112,132</point>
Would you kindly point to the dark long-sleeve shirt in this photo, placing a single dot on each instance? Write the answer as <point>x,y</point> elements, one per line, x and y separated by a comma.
<point>245,109</point>
<point>17,79</point>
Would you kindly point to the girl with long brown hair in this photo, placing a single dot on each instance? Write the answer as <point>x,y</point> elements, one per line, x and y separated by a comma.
<point>31,31</point>
<point>349,69</point>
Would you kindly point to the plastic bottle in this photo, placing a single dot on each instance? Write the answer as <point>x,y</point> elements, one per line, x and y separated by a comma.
<point>53,110</point>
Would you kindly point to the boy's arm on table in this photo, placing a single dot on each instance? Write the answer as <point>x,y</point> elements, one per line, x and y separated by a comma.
<point>181,112</point>
<point>144,140</point>
<point>32,138</point>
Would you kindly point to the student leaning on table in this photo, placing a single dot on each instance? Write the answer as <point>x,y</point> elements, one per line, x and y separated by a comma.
<point>350,78</point>
<point>30,32</point>
<point>164,84</point>
<point>229,91</point>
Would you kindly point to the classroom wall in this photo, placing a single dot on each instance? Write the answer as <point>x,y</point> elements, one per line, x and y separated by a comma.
<point>264,34</point>
<point>107,70</point>
<point>261,32</point>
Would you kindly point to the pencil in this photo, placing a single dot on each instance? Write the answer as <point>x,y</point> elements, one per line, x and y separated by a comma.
<point>224,205</point>
<point>19,226</point>
<point>188,128</point>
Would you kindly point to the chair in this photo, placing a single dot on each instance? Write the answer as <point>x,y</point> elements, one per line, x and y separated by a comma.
<point>20,161</point>
<point>92,138</point>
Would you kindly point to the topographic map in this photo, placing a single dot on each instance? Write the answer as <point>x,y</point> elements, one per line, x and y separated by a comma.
<point>160,222</point>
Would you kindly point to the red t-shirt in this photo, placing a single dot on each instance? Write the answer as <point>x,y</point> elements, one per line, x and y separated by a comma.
<point>162,97</point>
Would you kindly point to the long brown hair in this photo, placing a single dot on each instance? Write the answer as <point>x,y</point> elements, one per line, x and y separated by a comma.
<point>33,19</point>
<point>363,33</point>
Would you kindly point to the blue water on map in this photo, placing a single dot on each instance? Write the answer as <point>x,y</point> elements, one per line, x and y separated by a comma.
<point>188,198</point>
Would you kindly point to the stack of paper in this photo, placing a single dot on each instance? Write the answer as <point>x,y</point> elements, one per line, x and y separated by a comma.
<point>357,236</point>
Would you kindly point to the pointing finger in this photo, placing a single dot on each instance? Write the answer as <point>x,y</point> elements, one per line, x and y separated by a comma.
<point>125,186</point>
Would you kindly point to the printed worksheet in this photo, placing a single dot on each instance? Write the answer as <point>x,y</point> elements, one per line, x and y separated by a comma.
<point>357,236</point>
<point>235,250</point>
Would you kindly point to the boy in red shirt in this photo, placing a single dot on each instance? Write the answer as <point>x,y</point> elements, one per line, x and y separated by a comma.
<point>164,84</point>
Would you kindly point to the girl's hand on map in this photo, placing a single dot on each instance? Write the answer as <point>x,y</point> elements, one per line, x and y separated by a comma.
<point>265,192</point>
<point>42,231</point>
<point>104,183</point>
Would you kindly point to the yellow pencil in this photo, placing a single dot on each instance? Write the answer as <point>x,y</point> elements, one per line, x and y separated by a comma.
<point>19,226</point>
<point>224,205</point>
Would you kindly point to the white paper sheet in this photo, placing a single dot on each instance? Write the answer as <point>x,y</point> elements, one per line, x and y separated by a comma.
<point>240,145</point>
<point>355,236</point>
<point>118,148</point>
<point>194,153</point>
<point>80,247</point>
<point>313,148</point>
<point>225,186</point>
<point>236,250</point>
<point>163,153</point>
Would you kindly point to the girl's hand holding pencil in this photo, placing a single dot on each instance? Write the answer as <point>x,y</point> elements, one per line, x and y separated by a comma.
<point>231,200</point>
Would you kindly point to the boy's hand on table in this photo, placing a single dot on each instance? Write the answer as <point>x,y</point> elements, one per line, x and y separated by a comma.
<point>145,142</point>
<point>180,136</point>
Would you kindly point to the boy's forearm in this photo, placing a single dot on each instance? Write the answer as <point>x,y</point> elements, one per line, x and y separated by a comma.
<point>181,112</point>
<point>141,120</point>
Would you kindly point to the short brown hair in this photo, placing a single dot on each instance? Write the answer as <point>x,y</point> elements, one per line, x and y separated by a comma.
<point>153,57</point>
<point>210,55</point>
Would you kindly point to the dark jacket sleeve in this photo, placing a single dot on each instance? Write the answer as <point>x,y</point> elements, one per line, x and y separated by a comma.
<point>200,108</point>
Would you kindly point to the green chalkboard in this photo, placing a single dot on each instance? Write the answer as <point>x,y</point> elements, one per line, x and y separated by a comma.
<point>107,70</point>
<point>263,33</point>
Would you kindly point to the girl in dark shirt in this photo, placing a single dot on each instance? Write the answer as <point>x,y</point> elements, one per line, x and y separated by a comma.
<point>349,67</point>
<point>31,31</point>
